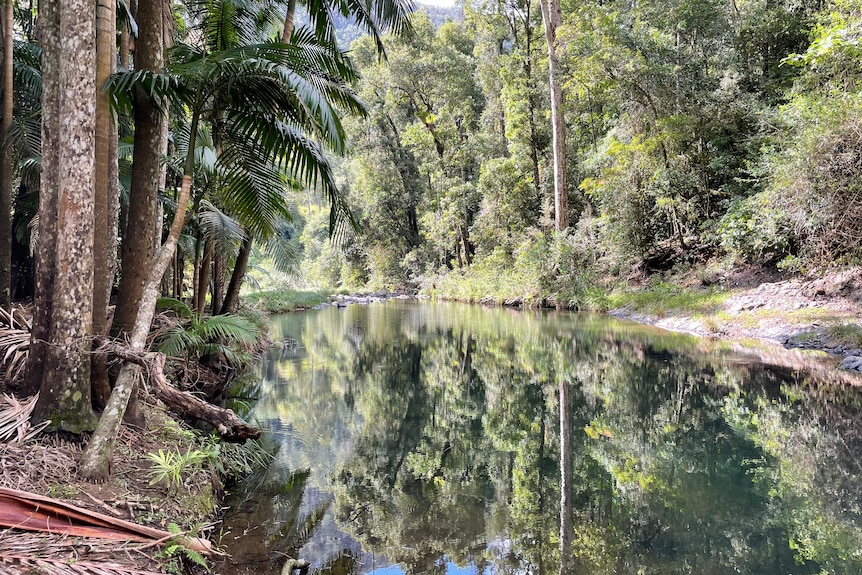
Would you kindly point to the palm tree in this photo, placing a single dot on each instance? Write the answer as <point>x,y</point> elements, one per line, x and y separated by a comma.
<point>6,160</point>
<point>279,104</point>
<point>251,186</point>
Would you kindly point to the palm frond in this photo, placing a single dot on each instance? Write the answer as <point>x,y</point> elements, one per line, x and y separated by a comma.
<point>124,16</point>
<point>177,341</point>
<point>232,328</point>
<point>25,563</point>
<point>14,350</point>
<point>179,308</point>
<point>253,188</point>
<point>226,232</point>
<point>374,17</point>
<point>158,87</point>
<point>283,252</point>
<point>15,419</point>
<point>27,72</point>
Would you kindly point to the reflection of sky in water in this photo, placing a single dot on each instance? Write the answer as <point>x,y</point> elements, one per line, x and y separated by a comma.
<point>451,569</point>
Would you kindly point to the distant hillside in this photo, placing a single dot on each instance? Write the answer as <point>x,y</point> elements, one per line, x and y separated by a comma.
<point>439,15</point>
<point>347,31</point>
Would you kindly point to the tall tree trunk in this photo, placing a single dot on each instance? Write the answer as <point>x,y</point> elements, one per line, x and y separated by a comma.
<point>288,22</point>
<point>204,277</point>
<point>552,16</point>
<point>104,243</point>
<point>218,282</point>
<point>139,241</point>
<point>566,506</point>
<point>231,298</point>
<point>531,109</point>
<point>95,462</point>
<point>196,270</point>
<point>96,459</point>
<point>61,338</point>
<point>6,163</point>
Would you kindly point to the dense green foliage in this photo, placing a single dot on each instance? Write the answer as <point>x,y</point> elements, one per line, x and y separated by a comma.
<point>696,130</point>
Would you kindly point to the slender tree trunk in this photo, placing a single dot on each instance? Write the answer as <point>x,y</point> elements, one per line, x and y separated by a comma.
<point>139,241</point>
<point>531,111</point>
<point>231,298</point>
<point>142,272</point>
<point>196,271</point>
<point>6,163</point>
<point>566,508</point>
<point>204,277</point>
<point>104,243</point>
<point>288,22</point>
<point>552,16</point>
<point>218,282</point>
<point>95,463</point>
<point>62,333</point>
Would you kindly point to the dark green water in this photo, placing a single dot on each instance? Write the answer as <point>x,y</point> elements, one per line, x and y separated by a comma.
<point>427,438</point>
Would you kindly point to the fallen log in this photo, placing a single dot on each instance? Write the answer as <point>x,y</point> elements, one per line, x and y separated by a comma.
<point>229,426</point>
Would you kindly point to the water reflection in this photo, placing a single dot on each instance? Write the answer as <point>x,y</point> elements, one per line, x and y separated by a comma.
<point>427,438</point>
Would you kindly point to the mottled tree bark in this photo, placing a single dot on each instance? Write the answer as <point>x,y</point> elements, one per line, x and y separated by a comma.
<point>139,241</point>
<point>64,295</point>
<point>6,163</point>
<point>104,242</point>
<point>552,16</point>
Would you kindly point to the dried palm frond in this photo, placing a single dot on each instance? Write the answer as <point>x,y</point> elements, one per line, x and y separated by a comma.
<point>15,564</point>
<point>35,465</point>
<point>14,349</point>
<point>15,419</point>
<point>13,319</point>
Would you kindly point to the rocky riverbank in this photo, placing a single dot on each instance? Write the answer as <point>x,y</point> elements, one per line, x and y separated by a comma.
<point>817,313</point>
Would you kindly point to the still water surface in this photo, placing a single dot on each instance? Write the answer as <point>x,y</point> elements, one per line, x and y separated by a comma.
<point>427,438</point>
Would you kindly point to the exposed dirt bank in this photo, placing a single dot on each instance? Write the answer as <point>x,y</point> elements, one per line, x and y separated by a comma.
<point>820,313</point>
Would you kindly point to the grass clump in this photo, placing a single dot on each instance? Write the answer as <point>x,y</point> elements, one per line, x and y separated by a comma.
<point>661,298</point>
<point>847,334</point>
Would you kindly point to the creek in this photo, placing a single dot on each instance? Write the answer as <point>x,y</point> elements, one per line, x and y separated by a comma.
<point>421,437</point>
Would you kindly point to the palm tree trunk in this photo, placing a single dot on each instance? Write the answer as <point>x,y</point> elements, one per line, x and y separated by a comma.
<point>204,277</point>
<point>218,282</point>
<point>138,242</point>
<point>231,298</point>
<point>6,163</point>
<point>103,237</point>
<point>288,22</point>
<point>95,461</point>
<point>196,271</point>
<point>63,323</point>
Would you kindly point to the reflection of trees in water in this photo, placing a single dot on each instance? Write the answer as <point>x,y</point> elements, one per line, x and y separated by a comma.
<point>679,459</point>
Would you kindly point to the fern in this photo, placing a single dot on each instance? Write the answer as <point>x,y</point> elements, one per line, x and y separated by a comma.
<point>195,337</point>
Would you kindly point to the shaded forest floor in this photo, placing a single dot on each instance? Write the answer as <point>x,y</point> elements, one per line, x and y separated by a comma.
<point>167,476</point>
<point>48,467</point>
